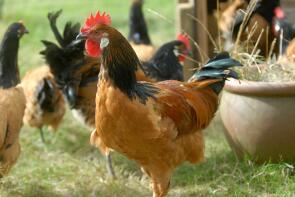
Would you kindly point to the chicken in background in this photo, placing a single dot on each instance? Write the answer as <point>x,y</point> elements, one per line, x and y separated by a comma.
<point>12,98</point>
<point>159,125</point>
<point>75,73</point>
<point>45,104</point>
<point>261,19</point>
<point>166,63</point>
<point>138,32</point>
<point>282,26</point>
<point>290,52</point>
<point>228,13</point>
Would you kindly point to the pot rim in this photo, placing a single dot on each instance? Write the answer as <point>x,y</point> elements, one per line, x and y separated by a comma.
<point>257,88</point>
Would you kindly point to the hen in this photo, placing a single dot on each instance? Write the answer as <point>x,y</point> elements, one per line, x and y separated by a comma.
<point>45,104</point>
<point>166,63</point>
<point>138,32</point>
<point>159,125</point>
<point>260,21</point>
<point>75,73</point>
<point>12,98</point>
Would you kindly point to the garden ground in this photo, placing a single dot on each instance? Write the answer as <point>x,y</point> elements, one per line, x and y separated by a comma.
<point>68,166</point>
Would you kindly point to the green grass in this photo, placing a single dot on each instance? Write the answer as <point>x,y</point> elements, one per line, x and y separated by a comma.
<point>68,166</point>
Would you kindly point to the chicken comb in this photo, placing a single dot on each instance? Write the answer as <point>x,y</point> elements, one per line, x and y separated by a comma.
<point>279,13</point>
<point>91,21</point>
<point>184,38</point>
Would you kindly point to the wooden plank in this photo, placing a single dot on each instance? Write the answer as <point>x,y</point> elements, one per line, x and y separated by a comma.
<point>201,34</point>
<point>289,8</point>
<point>186,24</point>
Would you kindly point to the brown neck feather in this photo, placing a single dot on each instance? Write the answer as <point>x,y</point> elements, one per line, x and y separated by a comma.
<point>121,64</point>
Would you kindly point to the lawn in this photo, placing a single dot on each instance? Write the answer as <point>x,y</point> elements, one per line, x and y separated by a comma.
<point>68,166</point>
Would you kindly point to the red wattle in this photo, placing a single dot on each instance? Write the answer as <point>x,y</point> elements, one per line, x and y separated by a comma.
<point>92,48</point>
<point>181,58</point>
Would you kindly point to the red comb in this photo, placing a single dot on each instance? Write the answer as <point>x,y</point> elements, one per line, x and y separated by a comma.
<point>279,13</point>
<point>184,38</point>
<point>91,21</point>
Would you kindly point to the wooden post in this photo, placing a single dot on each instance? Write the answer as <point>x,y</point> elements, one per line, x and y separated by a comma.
<point>201,36</point>
<point>198,9</point>
<point>185,23</point>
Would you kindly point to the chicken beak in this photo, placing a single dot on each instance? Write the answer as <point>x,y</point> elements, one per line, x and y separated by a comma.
<point>81,36</point>
<point>26,31</point>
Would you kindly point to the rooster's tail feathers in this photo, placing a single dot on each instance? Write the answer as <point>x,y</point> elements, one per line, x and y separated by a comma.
<point>217,68</point>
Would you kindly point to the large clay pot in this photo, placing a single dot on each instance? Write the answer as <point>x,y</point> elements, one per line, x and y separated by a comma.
<point>259,118</point>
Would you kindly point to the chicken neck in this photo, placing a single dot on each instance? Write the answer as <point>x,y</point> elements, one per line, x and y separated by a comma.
<point>9,73</point>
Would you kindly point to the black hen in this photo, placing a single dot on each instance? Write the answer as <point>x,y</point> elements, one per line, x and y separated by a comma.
<point>66,60</point>
<point>165,64</point>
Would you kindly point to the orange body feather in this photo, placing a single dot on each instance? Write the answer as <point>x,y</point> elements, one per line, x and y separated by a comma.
<point>159,135</point>
<point>12,106</point>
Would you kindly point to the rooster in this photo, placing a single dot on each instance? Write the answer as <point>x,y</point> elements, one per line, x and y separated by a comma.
<point>138,32</point>
<point>12,98</point>
<point>45,104</point>
<point>77,74</point>
<point>159,125</point>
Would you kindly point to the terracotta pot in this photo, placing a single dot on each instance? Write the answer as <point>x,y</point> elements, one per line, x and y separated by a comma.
<point>259,118</point>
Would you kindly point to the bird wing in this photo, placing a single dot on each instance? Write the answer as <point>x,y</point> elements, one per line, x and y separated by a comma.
<point>190,106</point>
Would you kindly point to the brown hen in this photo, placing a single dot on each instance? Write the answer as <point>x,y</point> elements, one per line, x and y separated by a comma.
<point>12,98</point>
<point>45,103</point>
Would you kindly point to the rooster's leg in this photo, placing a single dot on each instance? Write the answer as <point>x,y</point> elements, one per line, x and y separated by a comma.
<point>109,164</point>
<point>42,134</point>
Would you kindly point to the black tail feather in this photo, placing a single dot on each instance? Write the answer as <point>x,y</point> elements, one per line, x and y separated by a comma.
<point>70,50</point>
<point>45,95</point>
<point>54,56</point>
<point>52,17</point>
<point>71,31</point>
<point>217,68</point>
<point>138,31</point>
